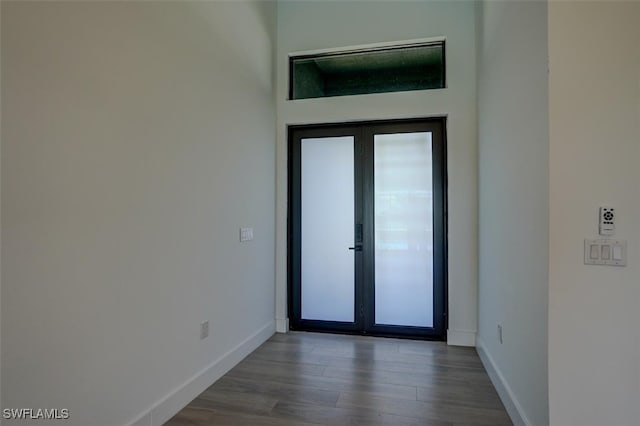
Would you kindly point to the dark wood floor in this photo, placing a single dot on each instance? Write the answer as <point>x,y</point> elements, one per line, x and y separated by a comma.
<point>312,379</point>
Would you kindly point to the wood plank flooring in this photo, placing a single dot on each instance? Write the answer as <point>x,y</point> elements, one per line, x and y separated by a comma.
<point>324,379</point>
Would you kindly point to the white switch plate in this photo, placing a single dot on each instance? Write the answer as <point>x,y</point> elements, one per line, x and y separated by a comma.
<point>246,234</point>
<point>605,252</point>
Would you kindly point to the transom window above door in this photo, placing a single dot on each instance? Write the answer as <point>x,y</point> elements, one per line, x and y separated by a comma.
<point>397,68</point>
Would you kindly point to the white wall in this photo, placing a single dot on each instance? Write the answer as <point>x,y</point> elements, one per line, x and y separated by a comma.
<point>594,342</point>
<point>1,406</point>
<point>313,25</point>
<point>513,143</point>
<point>137,138</point>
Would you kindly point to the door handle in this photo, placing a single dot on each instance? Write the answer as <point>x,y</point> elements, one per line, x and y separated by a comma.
<point>358,247</point>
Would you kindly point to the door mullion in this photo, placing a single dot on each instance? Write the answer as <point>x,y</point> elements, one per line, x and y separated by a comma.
<point>368,230</point>
<point>359,218</point>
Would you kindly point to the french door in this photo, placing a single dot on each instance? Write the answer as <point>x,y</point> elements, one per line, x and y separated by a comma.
<point>367,228</point>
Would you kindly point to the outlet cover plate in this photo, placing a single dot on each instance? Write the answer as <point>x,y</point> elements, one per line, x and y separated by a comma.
<point>204,330</point>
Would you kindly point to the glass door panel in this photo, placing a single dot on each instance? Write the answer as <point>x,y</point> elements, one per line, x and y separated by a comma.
<point>403,206</point>
<point>327,224</point>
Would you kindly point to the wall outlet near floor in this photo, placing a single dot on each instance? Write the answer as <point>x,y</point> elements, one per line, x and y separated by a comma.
<point>204,330</point>
<point>500,333</point>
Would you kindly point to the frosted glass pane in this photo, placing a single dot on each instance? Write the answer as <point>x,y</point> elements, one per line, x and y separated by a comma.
<point>403,229</point>
<point>327,229</point>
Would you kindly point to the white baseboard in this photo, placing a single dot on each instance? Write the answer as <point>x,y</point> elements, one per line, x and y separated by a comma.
<point>461,337</point>
<point>282,325</point>
<point>518,417</point>
<point>168,406</point>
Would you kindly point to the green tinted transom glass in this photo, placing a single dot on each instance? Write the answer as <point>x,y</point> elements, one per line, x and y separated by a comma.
<point>381,70</point>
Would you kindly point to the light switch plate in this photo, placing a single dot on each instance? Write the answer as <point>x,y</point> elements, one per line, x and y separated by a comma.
<point>605,252</point>
<point>246,234</point>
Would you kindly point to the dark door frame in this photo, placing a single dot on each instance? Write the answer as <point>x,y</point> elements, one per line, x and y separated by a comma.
<point>364,302</point>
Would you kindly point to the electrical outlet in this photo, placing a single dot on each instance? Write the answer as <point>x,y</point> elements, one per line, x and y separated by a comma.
<point>500,333</point>
<point>204,330</point>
